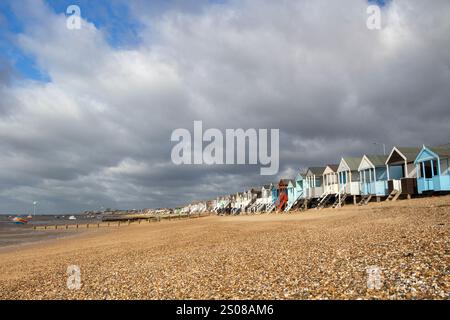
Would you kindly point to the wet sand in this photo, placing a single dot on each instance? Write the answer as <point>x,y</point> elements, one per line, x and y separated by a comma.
<point>310,255</point>
<point>17,234</point>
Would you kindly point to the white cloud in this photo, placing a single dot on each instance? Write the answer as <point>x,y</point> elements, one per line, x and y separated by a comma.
<point>99,132</point>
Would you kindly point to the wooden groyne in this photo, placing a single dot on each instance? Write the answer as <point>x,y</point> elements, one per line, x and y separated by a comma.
<point>140,217</point>
<point>118,221</point>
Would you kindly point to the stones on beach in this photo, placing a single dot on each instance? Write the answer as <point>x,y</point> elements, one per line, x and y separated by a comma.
<point>302,256</point>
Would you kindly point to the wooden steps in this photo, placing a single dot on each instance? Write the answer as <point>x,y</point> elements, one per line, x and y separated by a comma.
<point>323,200</point>
<point>235,210</point>
<point>247,208</point>
<point>260,207</point>
<point>365,200</point>
<point>393,196</point>
<point>339,200</point>
<point>293,204</point>
<point>270,207</point>
<point>304,205</point>
<point>251,207</point>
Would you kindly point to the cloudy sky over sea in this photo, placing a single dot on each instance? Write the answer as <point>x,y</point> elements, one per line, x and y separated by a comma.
<point>86,115</point>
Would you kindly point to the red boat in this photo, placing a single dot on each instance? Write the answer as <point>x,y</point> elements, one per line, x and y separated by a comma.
<point>19,220</point>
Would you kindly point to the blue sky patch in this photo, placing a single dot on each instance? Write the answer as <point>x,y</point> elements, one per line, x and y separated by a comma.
<point>24,64</point>
<point>381,3</point>
<point>113,17</point>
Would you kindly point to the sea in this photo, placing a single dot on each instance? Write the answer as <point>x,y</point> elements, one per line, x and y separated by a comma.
<point>16,234</point>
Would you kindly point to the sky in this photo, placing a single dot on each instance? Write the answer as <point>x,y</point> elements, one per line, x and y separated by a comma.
<point>86,115</point>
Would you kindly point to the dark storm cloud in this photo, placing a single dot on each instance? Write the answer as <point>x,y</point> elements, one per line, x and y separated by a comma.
<point>99,133</point>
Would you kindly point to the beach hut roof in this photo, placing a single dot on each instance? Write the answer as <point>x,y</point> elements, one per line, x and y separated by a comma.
<point>292,183</point>
<point>441,152</point>
<point>406,153</point>
<point>372,161</point>
<point>377,160</point>
<point>333,167</point>
<point>316,170</point>
<point>285,181</point>
<point>352,162</point>
<point>300,176</point>
<point>432,152</point>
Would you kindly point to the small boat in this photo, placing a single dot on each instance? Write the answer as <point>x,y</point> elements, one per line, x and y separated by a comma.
<point>19,220</point>
<point>72,218</point>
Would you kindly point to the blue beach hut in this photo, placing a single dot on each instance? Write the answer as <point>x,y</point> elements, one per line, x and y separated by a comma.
<point>295,191</point>
<point>432,165</point>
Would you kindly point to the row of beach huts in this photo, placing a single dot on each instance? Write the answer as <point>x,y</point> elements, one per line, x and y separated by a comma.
<point>405,172</point>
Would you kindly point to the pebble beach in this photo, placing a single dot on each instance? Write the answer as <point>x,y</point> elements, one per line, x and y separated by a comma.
<point>317,254</point>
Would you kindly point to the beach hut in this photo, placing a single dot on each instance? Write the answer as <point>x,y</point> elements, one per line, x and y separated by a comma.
<point>274,192</point>
<point>402,172</point>
<point>282,199</point>
<point>222,203</point>
<point>300,190</point>
<point>236,204</point>
<point>225,204</point>
<point>432,165</point>
<point>248,203</point>
<point>263,199</point>
<point>330,179</point>
<point>210,205</point>
<point>232,205</point>
<point>299,183</point>
<point>295,192</point>
<point>314,182</point>
<point>245,201</point>
<point>253,194</point>
<point>240,202</point>
<point>291,194</point>
<point>195,207</point>
<point>253,200</point>
<point>330,186</point>
<point>202,206</point>
<point>348,176</point>
<point>266,197</point>
<point>313,186</point>
<point>256,194</point>
<point>373,177</point>
<point>218,204</point>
